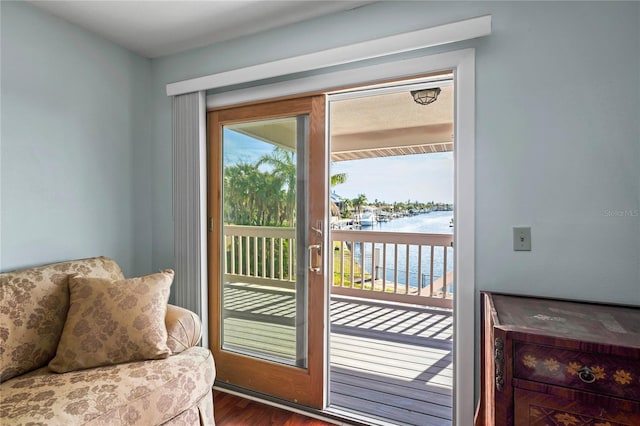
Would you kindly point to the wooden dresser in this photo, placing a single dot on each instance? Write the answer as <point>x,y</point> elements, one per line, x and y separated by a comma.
<point>558,363</point>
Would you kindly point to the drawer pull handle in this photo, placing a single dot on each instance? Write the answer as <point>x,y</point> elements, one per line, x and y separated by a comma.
<point>586,375</point>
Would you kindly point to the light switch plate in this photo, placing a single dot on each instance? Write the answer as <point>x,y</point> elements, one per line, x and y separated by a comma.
<point>522,239</point>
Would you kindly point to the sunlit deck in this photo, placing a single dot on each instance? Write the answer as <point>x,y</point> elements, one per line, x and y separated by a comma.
<point>392,362</point>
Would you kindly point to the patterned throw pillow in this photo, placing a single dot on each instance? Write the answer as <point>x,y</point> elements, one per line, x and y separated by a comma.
<point>33,306</point>
<point>111,322</point>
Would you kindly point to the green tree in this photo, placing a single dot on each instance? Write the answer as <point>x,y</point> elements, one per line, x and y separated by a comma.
<point>283,166</point>
<point>338,179</point>
<point>346,206</point>
<point>359,201</point>
<point>240,184</point>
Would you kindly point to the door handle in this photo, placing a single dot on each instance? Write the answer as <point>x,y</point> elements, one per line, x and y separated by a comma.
<point>315,261</point>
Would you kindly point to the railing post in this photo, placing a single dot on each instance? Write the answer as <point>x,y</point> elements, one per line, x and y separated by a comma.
<point>431,272</point>
<point>395,268</point>
<point>384,267</point>
<point>353,265</point>
<point>272,249</point>
<point>255,256</point>
<point>264,257</point>
<point>419,276</point>
<point>342,243</point>
<point>406,274</point>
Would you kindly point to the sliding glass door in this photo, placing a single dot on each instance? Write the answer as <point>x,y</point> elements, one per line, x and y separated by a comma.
<point>267,192</point>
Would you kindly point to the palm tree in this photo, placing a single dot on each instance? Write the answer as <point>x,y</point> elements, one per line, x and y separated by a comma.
<point>283,163</point>
<point>346,205</point>
<point>359,201</point>
<point>239,180</point>
<point>338,178</point>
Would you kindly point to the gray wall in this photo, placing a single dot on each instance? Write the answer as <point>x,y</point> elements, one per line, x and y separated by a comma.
<point>557,134</point>
<point>75,170</point>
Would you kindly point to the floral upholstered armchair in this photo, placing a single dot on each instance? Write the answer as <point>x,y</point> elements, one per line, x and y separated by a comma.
<point>80,344</point>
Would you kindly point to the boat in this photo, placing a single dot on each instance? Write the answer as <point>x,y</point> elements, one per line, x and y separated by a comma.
<point>367,218</point>
<point>383,217</point>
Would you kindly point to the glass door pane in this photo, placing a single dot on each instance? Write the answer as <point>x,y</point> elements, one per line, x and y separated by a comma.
<point>267,207</point>
<point>264,270</point>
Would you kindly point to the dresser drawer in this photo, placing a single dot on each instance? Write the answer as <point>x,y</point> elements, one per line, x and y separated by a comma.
<point>592,372</point>
<point>540,409</point>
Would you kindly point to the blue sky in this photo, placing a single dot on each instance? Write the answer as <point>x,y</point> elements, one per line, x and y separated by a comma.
<point>423,177</point>
<point>240,148</point>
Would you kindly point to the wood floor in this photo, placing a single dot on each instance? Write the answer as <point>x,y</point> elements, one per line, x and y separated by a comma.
<point>231,410</point>
<point>391,362</point>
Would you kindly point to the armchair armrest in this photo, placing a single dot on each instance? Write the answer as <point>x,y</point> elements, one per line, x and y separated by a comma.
<point>184,328</point>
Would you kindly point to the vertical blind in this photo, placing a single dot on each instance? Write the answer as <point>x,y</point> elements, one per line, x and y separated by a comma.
<point>189,205</point>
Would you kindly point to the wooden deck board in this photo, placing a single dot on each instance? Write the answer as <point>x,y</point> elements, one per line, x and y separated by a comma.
<point>377,357</point>
<point>391,362</point>
<point>398,366</point>
<point>389,348</point>
<point>391,413</point>
<point>435,394</point>
<point>409,404</point>
<point>268,339</point>
<point>396,372</point>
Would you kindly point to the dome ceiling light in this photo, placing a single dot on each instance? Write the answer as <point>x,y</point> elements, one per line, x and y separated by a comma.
<point>425,96</point>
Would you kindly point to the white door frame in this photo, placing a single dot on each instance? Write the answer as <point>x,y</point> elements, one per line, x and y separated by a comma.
<point>463,65</point>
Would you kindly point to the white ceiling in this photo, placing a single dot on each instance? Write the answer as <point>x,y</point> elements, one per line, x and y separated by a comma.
<point>155,28</point>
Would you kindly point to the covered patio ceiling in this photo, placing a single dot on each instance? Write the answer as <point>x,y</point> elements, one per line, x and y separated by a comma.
<point>373,126</point>
<point>391,124</point>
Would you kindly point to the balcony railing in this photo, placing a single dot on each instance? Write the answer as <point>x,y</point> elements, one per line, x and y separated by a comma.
<point>260,255</point>
<point>392,266</point>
